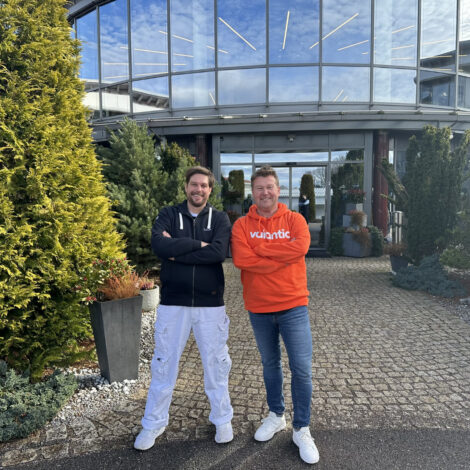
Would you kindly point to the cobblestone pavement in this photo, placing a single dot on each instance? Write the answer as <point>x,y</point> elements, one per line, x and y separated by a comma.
<point>384,358</point>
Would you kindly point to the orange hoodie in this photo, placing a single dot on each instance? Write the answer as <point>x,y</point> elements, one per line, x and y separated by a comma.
<point>271,255</point>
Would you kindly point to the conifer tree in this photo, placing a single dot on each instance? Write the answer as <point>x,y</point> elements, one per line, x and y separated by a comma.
<point>54,214</point>
<point>433,181</point>
<point>307,187</point>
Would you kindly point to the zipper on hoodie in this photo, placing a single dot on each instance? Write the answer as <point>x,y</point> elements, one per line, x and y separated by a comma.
<point>194,266</point>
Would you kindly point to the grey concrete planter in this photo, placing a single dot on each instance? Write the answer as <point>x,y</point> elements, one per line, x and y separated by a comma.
<point>116,327</point>
<point>354,206</point>
<point>150,299</point>
<point>354,249</point>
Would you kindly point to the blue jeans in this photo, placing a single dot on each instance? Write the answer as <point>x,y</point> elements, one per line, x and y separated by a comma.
<point>294,327</point>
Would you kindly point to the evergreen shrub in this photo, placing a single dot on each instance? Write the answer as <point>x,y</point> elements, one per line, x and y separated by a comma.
<point>336,241</point>
<point>430,277</point>
<point>55,216</point>
<point>307,187</point>
<point>26,407</point>
<point>377,241</point>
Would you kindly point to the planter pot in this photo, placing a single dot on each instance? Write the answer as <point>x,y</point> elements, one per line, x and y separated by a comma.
<point>150,299</point>
<point>354,206</point>
<point>116,327</point>
<point>347,221</point>
<point>354,249</point>
<point>398,262</point>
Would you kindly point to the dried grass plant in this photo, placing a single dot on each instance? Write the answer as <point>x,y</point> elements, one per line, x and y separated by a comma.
<point>122,287</point>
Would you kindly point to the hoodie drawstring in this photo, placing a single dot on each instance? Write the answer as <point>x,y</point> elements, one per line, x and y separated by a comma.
<point>181,220</point>
<point>209,220</point>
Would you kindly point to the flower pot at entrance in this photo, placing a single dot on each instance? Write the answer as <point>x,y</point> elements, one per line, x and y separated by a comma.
<point>116,327</point>
<point>151,298</point>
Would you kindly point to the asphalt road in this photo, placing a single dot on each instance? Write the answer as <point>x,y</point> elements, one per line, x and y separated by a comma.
<point>427,449</point>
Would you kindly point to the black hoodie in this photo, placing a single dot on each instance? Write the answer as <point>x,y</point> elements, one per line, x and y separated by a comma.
<point>195,278</point>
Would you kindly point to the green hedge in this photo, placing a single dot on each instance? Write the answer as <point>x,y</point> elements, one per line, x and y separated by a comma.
<point>26,407</point>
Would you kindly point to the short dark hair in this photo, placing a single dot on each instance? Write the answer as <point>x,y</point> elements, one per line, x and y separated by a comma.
<point>195,170</point>
<point>263,172</point>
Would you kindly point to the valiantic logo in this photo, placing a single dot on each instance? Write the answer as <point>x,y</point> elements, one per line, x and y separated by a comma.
<point>271,236</point>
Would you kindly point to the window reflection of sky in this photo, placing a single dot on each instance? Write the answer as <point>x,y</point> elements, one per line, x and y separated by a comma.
<point>290,84</point>
<point>87,33</point>
<point>396,32</point>
<point>242,86</point>
<point>464,50</point>
<point>344,84</point>
<point>241,27</point>
<point>394,86</point>
<point>114,52</point>
<point>149,46</point>
<point>299,157</point>
<point>293,28</point>
<point>346,31</point>
<point>235,157</point>
<point>193,90</point>
<point>192,34</point>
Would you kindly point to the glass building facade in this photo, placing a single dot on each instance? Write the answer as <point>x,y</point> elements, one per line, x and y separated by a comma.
<point>321,87</point>
<point>156,55</point>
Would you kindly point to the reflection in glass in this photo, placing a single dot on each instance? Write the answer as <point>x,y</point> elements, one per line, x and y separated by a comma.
<point>241,28</point>
<point>349,155</point>
<point>193,90</point>
<point>150,95</point>
<point>149,45</point>
<point>395,32</point>
<point>290,84</point>
<point>341,84</point>
<point>192,34</point>
<point>116,100</point>
<point>87,33</point>
<point>464,92</point>
<point>394,85</point>
<point>437,88</point>
<point>438,34</point>
<point>234,200</point>
<point>235,158</point>
<point>242,86</point>
<point>344,177</point>
<point>92,101</point>
<point>464,40</point>
<point>293,28</point>
<point>114,52</point>
<point>310,157</point>
<point>346,31</point>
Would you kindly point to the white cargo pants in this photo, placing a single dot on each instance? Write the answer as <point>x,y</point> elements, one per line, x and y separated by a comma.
<point>172,328</point>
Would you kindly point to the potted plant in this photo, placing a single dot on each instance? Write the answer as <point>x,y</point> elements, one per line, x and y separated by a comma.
<point>397,253</point>
<point>150,293</point>
<point>356,242</point>
<point>354,199</point>
<point>111,290</point>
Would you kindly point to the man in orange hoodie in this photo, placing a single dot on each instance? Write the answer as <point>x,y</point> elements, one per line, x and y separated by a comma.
<point>269,246</point>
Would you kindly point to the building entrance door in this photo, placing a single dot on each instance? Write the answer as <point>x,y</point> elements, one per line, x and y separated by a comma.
<point>314,188</point>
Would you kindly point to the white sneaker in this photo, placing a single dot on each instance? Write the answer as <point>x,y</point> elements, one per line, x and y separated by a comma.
<point>271,425</point>
<point>307,448</point>
<point>146,438</point>
<point>224,433</point>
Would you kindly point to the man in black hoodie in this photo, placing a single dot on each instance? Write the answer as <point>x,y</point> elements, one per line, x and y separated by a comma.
<point>191,239</point>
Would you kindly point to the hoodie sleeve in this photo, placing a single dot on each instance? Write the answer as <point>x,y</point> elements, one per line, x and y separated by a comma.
<point>217,249</point>
<point>243,255</point>
<point>291,251</point>
<point>165,247</point>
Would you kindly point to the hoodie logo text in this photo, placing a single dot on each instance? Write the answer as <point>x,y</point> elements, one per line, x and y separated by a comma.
<point>271,236</point>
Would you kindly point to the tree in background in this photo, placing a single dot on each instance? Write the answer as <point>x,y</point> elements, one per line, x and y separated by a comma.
<point>307,187</point>
<point>433,182</point>
<point>55,217</point>
<point>233,189</point>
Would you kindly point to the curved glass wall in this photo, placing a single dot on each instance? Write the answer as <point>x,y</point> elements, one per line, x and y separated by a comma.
<point>143,56</point>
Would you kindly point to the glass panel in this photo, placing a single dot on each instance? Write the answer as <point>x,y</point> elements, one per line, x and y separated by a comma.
<point>347,155</point>
<point>235,158</point>
<point>241,28</point>
<point>291,157</point>
<point>311,206</point>
<point>114,52</point>
<point>192,34</point>
<point>192,90</point>
<point>149,43</point>
<point>464,92</point>
<point>150,95</point>
<point>346,179</point>
<point>116,100</point>
<point>238,203</point>
<point>92,101</point>
<point>395,85</point>
<point>395,32</point>
<point>464,41</point>
<point>437,88</point>
<point>233,87</point>
<point>438,34</point>
<point>346,31</point>
<point>293,28</point>
<point>291,84</point>
<point>87,33</point>
<point>345,84</point>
